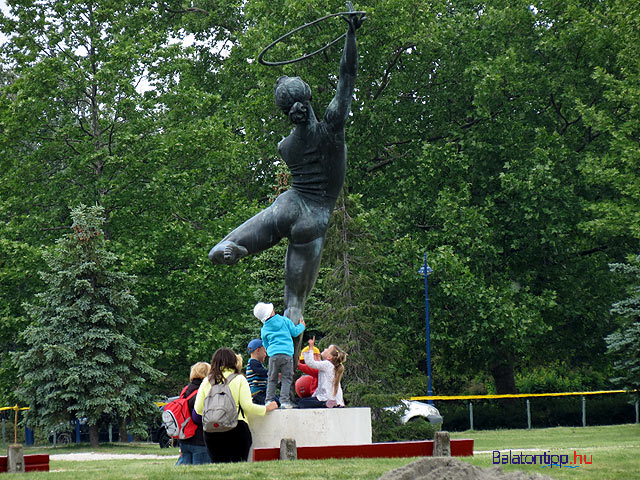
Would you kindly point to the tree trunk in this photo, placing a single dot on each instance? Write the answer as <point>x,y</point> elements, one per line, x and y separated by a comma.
<point>503,377</point>
<point>123,436</point>
<point>93,436</point>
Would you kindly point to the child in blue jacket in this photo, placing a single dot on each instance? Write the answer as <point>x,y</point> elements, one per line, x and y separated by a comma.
<point>277,337</point>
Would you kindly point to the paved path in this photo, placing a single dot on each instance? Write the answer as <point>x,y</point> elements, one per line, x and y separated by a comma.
<point>88,456</point>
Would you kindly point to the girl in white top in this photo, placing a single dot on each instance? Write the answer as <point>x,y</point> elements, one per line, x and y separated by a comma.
<point>330,370</point>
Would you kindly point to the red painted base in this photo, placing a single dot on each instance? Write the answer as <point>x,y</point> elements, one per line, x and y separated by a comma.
<point>32,463</point>
<point>459,448</point>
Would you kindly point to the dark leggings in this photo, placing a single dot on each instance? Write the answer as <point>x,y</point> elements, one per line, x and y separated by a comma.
<point>229,447</point>
<point>311,402</point>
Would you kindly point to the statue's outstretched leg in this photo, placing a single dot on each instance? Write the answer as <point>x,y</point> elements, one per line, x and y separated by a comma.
<point>260,232</point>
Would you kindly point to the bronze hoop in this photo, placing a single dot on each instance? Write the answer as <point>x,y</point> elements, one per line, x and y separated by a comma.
<point>304,57</point>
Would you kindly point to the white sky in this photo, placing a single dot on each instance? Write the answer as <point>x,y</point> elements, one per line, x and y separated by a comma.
<point>143,85</point>
<point>5,10</point>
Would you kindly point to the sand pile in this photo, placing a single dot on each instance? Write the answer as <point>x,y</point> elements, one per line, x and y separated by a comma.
<point>448,468</point>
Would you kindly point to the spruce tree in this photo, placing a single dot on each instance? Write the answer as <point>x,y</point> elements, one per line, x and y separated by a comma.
<point>351,310</point>
<point>81,358</point>
<point>623,346</point>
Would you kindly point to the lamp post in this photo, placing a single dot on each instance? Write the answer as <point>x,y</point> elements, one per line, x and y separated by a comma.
<point>425,270</point>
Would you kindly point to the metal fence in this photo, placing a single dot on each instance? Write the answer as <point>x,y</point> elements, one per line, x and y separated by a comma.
<point>527,397</point>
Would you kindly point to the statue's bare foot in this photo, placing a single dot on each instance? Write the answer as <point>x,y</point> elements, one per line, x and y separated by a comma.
<point>227,252</point>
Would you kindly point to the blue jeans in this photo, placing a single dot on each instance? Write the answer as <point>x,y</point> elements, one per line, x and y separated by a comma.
<point>193,454</point>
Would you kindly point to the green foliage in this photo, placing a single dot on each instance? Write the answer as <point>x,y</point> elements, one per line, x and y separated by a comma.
<point>81,357</point>
<point>102,110</point>
<point>501,140</point>
<point>482,142</point>
<point>559,377</point>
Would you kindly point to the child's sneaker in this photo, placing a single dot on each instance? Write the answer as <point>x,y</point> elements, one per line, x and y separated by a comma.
<point>287,405</point>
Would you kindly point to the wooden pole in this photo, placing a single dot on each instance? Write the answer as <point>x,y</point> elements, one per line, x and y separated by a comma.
<point>15,427</point>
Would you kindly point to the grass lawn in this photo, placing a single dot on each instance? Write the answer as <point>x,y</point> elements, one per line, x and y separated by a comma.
<point>615,451</point>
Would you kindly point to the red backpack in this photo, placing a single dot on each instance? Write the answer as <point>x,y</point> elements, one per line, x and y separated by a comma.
<point>176,417</point>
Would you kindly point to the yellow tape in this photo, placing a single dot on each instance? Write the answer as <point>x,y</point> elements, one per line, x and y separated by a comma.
<point>512,395</point>
<point>450,397</point>
<point>14,408</point>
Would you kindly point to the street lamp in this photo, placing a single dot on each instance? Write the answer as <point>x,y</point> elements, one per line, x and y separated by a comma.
<point>425,270</point>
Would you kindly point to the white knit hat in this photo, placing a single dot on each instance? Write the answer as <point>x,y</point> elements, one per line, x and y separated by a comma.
<point>262,311</point>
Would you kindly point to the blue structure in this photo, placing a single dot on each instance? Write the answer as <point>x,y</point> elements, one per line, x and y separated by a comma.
<point>425,270</point>
<point>28,436</point>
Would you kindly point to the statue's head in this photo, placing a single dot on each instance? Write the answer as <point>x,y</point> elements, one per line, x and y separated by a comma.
<point>293,95</point>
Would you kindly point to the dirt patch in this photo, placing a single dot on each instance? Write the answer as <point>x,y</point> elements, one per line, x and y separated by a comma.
<point>448,468</point>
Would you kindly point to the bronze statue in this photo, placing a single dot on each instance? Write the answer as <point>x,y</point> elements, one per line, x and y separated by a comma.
<point>316,155</point>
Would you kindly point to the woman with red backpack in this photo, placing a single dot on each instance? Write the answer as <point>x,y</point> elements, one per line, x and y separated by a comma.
<point>193,450</point>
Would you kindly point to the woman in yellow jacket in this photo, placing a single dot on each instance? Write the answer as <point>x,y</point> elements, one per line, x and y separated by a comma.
<point>233,445</point>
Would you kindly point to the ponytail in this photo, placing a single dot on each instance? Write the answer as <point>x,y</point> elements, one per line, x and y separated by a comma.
<point>338,358</point>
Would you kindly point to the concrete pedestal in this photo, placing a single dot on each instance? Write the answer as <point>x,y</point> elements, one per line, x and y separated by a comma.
<point>441,444</point>
<point>288,449</point>
<point>15,459</point>
<point>312,427</point>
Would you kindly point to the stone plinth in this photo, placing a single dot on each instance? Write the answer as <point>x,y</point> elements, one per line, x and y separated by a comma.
<point>441,444</point>
<point>312,427</point>
<point>15,460</point>
<point>288,449</point>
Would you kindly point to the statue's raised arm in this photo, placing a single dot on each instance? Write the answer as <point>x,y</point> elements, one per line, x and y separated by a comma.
<point>338,110</point>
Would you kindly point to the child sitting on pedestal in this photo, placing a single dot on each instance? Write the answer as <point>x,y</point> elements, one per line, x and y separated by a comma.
<point>330,370</point>
<point>306,385</point>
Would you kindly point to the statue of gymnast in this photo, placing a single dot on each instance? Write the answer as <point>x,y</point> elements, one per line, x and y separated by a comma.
<point>316,155</point>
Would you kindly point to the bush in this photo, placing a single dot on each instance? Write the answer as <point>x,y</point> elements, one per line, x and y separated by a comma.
<point>387,426</point>
<point>559,377</point>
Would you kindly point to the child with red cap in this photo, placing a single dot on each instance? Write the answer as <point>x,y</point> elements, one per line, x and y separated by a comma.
<point>306,385</point>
